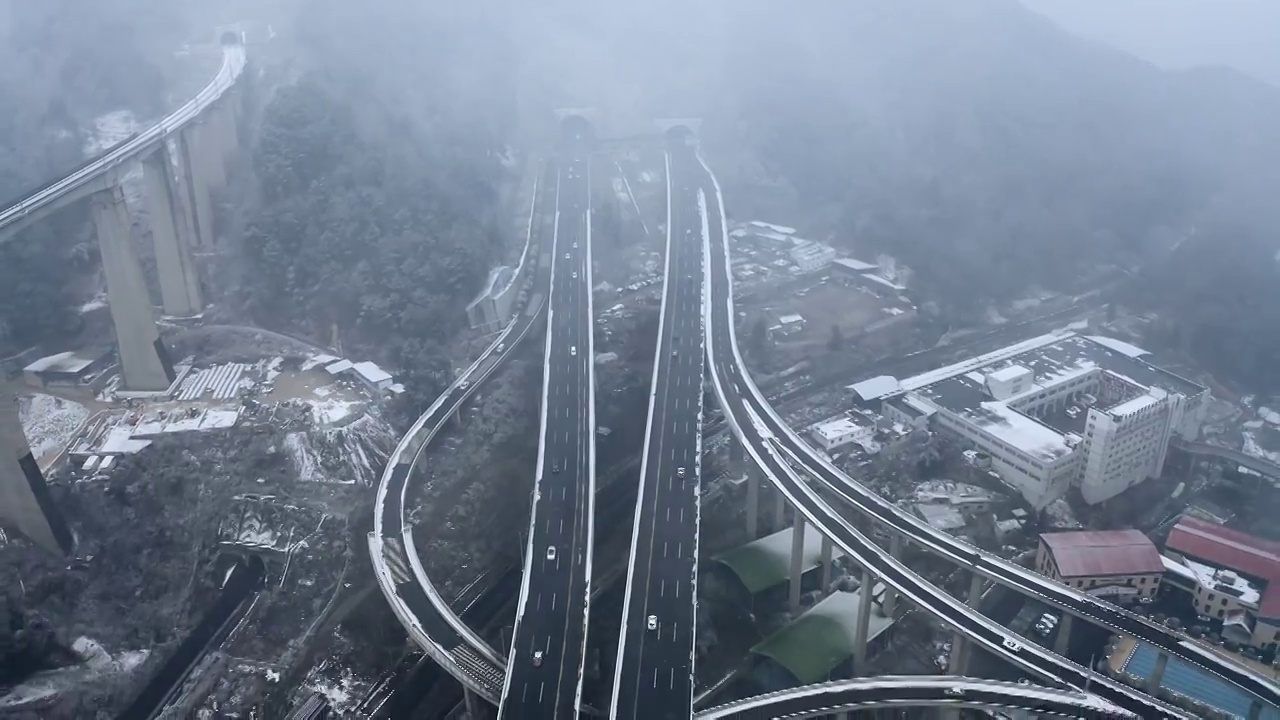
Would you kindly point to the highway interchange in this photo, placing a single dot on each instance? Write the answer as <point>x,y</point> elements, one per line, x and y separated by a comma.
<point>544,673</point>
<point>673,442</point>
<point>554,599</point>
<point>653,675</point>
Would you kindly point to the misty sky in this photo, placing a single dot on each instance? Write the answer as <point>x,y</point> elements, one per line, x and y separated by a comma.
<point>1180,33</point>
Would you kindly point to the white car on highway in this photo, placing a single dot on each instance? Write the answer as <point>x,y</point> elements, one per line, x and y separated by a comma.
<point>551,553</point>
<point>652,622</point>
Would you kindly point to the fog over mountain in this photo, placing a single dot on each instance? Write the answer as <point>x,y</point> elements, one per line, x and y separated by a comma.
<point>1179,33</point>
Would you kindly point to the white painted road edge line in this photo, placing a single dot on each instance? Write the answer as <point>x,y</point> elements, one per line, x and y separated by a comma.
<point>591,452</point>
<point>961,610</point>
<point>542,450</point>
<point>644,458</point>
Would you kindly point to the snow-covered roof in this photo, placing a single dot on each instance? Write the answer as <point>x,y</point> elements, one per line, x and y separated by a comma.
<point>63,362</point>
<point>876,387</point>
<point>1227,581</point>
<point>883,281</point>
<point>941,517</point>
<point>339,367</point>
<point>371,372</point>
<point>776,228</point>
<point>1133,405</point>
<point>790,319</point>
<point>1013,372</point>
<point>1119,346</point>
<point>855,265</point>
<point>837,428</point>
<point>1021,431</point>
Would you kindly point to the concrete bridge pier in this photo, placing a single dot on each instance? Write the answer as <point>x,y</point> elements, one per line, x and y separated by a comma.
<point>180,290</point>
<point>826,563</point>
<point>974,598</point>
<point>25,503</point>
<point>1063,641</point>
<point>1157,673</point>
<point>197,202</point>
<point>797,561</point>
<point>144,362</point>
<point>779,510</point>
<point>753,502</point>
<point>890,601</point>
<point>861,631</point>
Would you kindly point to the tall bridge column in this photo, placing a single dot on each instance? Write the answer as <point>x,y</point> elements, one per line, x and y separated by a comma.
<point>1063,641</point>
<point>779,510</point>
<point>25,503</point>
<point>179,280</point>
<point>826,563</point>
<point>753,501</point>
<point>797,560</point>
<point>890,602</point>
<point>861,631</point>
<point>210,135</point>
<point>197,203</point>
<point>144,363</point>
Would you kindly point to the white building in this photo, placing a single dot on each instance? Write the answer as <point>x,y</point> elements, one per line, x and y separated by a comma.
<point>373,376</point>
<point>1057,411</point>
<point>810,256</point>
<point>841,431</point>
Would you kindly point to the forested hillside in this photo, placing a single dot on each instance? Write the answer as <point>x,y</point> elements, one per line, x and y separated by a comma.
<point>379,210</point>
<point>992,152</point>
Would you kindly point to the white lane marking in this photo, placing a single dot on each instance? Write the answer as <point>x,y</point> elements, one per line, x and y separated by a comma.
<point>539,606</point>
<point>553,601</point>
<point>664,548</point>
<point>673,678</point>
<point>523,692</point>
<point>655,677</point>
<point>677,590</point>
<point>541,687</point>
<point>562,526</point>
<point>682,513</point>
<point>662,589</point>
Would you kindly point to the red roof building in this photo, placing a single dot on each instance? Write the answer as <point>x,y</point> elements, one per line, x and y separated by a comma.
<point>1250,556</point>
<point>1097,554</point>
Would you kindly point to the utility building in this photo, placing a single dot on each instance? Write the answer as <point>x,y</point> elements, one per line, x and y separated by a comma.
<point>1055,412</point>
<point>1117,564</point>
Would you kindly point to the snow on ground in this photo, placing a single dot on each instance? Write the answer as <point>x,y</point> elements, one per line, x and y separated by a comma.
<point>1059,515</point>
<point>1251,447</point>
<point>1269,415</point>
<point>333,412</point>
<point>49,422</point>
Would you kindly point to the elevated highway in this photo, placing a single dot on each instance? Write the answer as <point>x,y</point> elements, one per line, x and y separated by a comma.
<point>653,674</point>
<point>97,174</point>
<point>545,670</point>
<point>425,614</point>
<point>749,416</point>
<point>1256,464</point>
<point>914,691</point>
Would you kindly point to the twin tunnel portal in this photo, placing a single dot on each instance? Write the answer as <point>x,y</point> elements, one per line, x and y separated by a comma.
<point>542,674</point>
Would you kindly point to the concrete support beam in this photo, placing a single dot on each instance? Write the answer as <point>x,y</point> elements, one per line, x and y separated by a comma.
<point>753,501</point>
<point>1255,709</point>
<point>975,591</point>
<point>735,457</point>
<point>861,630</point>
<point>797,561</point>
<point>25,503</point>
<point>198,204</point>
<point>144,364</point>
<point>779,510</point>
<point>472,705</point>
<point>1157,673</point>
<point>826,563</point>
<point>959,655</point>
<point>1063,641</point>
<point>210,138</point>
<point>890,602</point>
<point>179,280</point>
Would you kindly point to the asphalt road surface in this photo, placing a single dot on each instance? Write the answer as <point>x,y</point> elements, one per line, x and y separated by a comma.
<point>654,671</point>
<point>552,614</point>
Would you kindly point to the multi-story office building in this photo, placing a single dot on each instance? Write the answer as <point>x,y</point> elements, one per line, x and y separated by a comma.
<point>1056,411</point>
